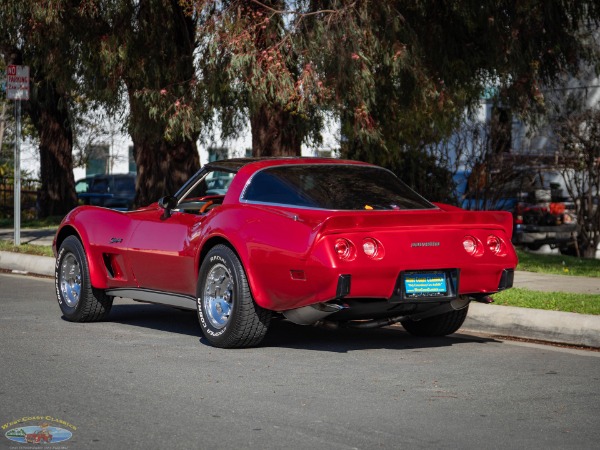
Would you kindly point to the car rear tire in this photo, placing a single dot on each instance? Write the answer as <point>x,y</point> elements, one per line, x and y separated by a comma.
<point>79,301</point>
<point>228,315</point>
<point>441,325</point>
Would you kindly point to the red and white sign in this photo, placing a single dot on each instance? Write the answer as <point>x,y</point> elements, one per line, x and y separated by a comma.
<point>17,82</point>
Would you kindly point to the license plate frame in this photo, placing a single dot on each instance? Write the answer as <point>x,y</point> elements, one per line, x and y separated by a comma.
<point>425,283</point>
<point>439,284</point>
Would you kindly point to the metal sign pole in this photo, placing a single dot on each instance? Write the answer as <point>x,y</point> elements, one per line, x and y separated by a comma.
<point>17,177</point>
<point>17,88</point>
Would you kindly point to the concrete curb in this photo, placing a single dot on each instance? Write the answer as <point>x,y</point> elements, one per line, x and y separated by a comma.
<point>550,326</point>
<point>38,265</point>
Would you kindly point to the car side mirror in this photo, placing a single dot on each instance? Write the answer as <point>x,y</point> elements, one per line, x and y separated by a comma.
<point>167,203</point>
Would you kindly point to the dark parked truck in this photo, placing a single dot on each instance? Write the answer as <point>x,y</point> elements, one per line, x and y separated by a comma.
<point>542,212</point>
<point>547,223</point>
<point>115,191</point>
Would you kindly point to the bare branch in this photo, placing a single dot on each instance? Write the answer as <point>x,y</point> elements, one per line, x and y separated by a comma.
<point>297,13</point>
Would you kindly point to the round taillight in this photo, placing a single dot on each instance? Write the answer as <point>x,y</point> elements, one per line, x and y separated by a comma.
<point>496,245</point>
<point>344,249</point>
<point>472,246</point>
<point>372,248</point>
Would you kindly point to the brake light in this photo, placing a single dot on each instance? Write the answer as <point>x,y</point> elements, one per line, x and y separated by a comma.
<point>496,245</point>
<point>344,249</point>
<point>472,246</point>
<point>373,248</point>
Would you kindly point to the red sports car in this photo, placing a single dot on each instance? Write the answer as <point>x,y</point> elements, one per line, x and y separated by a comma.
<point>341,243</point>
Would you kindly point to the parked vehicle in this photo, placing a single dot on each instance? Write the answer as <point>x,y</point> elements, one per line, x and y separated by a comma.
<point>544,223</point>
<point>542,211</point>
<point>115,191</point>
<point>316,241</point>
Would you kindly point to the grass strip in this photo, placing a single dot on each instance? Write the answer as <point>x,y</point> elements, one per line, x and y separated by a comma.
<point>48,222</point>
<point>30,249</point>
<point>558,264</point>
<point>551,301</point>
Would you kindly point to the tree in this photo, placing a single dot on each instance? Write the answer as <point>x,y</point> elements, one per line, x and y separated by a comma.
<point>94,52</point>
<point>250,70</point>
<point>397,74</point>
<point>35,35</point>
<point>578,132</point>
<point>143,51</point>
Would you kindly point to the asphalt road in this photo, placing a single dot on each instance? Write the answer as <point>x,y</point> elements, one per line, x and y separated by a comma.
<point>146,380</point>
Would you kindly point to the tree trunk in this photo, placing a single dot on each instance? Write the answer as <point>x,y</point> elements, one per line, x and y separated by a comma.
<point>162,167</point>
<point>275,132</point>
<point>48,111</point>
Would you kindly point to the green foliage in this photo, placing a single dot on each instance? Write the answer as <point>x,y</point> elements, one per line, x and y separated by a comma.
<point>397,73</point>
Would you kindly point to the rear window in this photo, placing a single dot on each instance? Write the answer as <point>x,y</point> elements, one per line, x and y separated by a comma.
<point>333,186</point>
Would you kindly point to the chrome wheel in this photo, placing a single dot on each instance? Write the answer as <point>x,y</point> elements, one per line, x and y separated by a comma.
<point>218,296</point>
<point>70,280</point>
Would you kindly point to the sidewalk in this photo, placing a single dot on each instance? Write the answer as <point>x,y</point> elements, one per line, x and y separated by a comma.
<point>551,326</point>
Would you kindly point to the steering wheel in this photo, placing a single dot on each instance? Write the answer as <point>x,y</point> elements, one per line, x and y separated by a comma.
<point>206,206</point>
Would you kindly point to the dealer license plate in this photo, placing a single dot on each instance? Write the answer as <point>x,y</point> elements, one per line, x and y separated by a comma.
<point>425,283</point>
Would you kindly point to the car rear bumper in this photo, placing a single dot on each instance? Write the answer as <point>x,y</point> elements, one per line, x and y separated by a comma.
<point>540,235</point>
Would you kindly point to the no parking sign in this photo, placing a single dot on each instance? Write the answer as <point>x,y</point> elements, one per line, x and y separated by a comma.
<point>17,82</point>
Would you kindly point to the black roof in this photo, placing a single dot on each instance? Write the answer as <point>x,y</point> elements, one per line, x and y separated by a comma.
<point>233,164</point>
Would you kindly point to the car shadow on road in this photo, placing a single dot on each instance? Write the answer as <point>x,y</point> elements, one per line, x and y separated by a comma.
<point>284,334</point>
<point>156,317</point>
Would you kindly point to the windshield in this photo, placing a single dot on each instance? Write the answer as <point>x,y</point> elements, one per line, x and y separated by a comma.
<point>333,186</point>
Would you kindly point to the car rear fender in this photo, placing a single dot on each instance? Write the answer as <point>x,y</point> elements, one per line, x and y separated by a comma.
<point>240,248</point>
<point>269,242</point>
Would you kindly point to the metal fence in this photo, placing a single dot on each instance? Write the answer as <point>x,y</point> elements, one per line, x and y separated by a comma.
<point>29,196</point>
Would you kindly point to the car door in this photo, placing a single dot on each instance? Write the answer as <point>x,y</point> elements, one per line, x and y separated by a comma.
<point>162,250</point>
<point>163,247</point>
<point>98,192</point>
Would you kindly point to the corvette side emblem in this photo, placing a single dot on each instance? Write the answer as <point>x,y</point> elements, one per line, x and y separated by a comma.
<point>116,240</point>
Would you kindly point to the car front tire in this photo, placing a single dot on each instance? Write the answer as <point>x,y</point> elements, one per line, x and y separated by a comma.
<point>78,300</point>
<point>441,325</point>
<point>228,315</point>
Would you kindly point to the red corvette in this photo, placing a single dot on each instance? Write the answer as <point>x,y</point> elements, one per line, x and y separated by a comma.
<point>343,243</point>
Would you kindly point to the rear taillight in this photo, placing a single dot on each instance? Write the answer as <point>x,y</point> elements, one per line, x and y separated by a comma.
<point>496,245</point>
<point>472,246</point>
<point>344,249</point>
<point>373,248</point>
